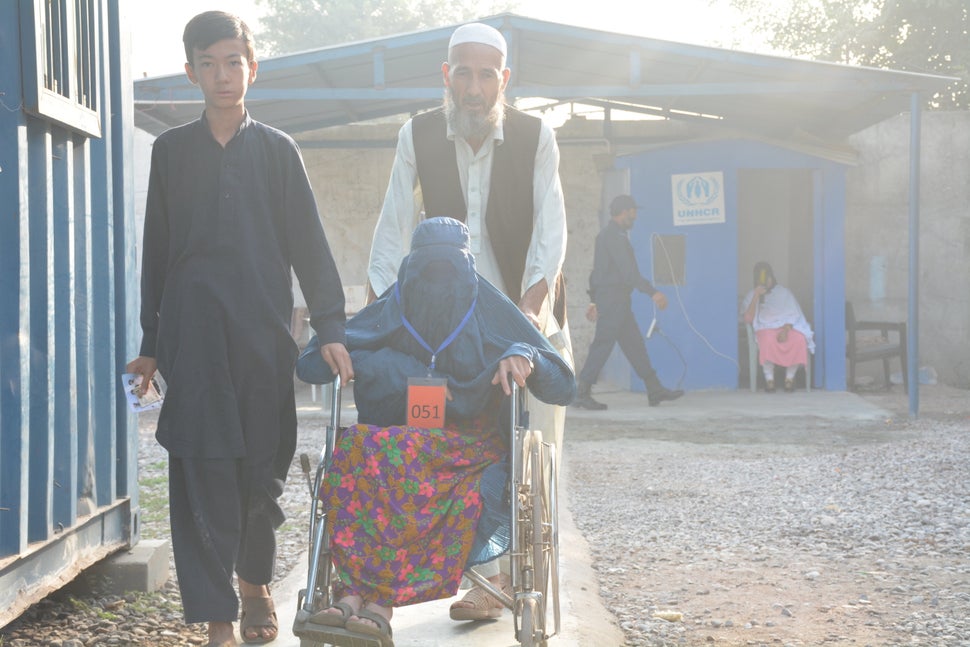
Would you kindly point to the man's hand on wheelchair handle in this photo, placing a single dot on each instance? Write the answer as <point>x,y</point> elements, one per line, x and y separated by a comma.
<point>518,367</point>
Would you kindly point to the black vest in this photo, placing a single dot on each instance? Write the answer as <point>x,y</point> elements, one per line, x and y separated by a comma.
<point>510,206</point>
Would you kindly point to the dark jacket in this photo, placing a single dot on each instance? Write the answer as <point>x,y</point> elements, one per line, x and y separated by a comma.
<point>615,272</point>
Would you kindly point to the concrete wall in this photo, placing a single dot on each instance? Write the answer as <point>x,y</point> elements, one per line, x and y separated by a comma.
<point>349,185</point>
<point>877,236</point>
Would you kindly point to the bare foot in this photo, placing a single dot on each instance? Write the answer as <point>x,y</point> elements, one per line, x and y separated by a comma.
<point>222,634</point>
<point>248,590</point>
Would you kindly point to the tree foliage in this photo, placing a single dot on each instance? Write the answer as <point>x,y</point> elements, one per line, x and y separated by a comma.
<point>927,36</point>
<point>297,25</point>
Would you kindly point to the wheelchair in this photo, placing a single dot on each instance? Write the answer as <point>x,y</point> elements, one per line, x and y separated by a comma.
<point>533,552</point>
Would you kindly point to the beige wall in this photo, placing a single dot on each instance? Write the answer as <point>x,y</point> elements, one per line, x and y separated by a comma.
<point>877,235</point>
<point>349,185</point>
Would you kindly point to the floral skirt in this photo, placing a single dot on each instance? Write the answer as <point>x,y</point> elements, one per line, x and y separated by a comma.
<point>404,505</point>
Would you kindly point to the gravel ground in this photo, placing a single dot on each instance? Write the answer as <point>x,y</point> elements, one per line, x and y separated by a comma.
<point>848,533</point>
<point>824,534</point>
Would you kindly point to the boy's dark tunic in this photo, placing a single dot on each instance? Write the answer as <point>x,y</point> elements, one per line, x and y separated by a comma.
<point>222,229</point>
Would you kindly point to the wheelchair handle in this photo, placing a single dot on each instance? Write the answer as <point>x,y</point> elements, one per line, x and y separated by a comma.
<point>335,402</point>
<point>518,414</point>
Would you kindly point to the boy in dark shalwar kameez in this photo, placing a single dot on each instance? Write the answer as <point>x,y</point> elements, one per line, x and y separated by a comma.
<point>229,212</point>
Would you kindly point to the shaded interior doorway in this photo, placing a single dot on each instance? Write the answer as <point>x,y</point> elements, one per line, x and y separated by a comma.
<point>776,224</point>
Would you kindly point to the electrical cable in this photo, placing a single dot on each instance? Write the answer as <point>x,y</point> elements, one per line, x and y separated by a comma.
<point>683,361</point>
<point>683,309</point>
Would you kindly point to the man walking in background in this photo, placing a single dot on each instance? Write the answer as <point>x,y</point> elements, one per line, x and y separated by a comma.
<point>614,277</point>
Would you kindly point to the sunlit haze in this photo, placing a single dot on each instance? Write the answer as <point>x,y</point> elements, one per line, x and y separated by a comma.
<point>156,32</point>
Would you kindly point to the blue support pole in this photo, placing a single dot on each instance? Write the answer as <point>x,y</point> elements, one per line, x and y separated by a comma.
<point>912,325</point>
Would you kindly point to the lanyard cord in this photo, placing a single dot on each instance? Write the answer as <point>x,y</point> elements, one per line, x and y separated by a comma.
<point>420,339</point>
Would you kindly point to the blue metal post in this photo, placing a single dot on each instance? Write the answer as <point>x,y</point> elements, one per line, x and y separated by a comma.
<point>912,326</point>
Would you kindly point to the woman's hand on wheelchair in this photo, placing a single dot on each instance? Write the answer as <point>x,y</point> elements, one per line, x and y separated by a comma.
<point>516,366</point>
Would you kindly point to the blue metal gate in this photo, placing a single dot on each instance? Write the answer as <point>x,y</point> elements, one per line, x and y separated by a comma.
<point>68,468</point>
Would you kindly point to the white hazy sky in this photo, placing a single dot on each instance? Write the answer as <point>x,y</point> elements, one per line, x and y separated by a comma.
<point>156,30</point>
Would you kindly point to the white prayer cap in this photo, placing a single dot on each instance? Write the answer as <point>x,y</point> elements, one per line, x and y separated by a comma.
<point>477,32</point>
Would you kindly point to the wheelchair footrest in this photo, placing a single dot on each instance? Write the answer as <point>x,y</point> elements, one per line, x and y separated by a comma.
<point>309,632</point>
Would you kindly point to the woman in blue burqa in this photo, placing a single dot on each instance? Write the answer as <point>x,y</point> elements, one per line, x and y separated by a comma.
<point>405,500</point>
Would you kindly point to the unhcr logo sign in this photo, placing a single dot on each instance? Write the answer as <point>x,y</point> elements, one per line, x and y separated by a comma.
<point>698,198</point>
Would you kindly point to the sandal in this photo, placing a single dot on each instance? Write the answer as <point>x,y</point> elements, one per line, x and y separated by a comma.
<point>382,631</point>
<point>258,613</point>
<point>332,619</point>
<point>484,606</point>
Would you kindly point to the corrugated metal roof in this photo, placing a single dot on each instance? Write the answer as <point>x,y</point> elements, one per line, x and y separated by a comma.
<point>769,96</point>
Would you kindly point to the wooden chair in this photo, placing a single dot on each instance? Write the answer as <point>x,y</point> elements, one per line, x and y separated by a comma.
<point>754,368</point>
<point>864,347</point>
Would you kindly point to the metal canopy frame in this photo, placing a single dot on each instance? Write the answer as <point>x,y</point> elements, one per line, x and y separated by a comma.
<point>768,96</point>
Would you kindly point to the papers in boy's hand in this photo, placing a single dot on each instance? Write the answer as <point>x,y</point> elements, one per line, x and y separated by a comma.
<point>153,396</point>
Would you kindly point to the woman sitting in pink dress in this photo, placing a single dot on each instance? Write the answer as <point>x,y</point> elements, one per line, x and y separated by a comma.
<point>784,335</point>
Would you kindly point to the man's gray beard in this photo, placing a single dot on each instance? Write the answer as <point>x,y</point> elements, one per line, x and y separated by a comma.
<point>468,125</point>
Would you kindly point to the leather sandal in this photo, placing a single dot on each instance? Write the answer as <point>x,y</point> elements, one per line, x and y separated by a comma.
<point>258,613</point>
<point>484,606</point>
<point>333,619</point>
<point>381,632</point>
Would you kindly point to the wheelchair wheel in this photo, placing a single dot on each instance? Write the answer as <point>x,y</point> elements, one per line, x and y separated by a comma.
<point>550,537</point>
<point>529,633</point>
<point>537,603</point>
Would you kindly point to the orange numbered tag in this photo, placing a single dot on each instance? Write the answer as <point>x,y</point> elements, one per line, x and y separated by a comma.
<point>426,402</point>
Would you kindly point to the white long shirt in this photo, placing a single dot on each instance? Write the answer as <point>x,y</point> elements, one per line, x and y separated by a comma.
<point>403,207</point>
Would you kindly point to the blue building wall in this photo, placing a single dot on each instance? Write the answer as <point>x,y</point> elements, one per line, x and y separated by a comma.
<point>699,345</point>
<point>68,447</point>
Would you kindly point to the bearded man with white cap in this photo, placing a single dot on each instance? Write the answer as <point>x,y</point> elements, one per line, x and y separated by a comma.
<point>481,161</point>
